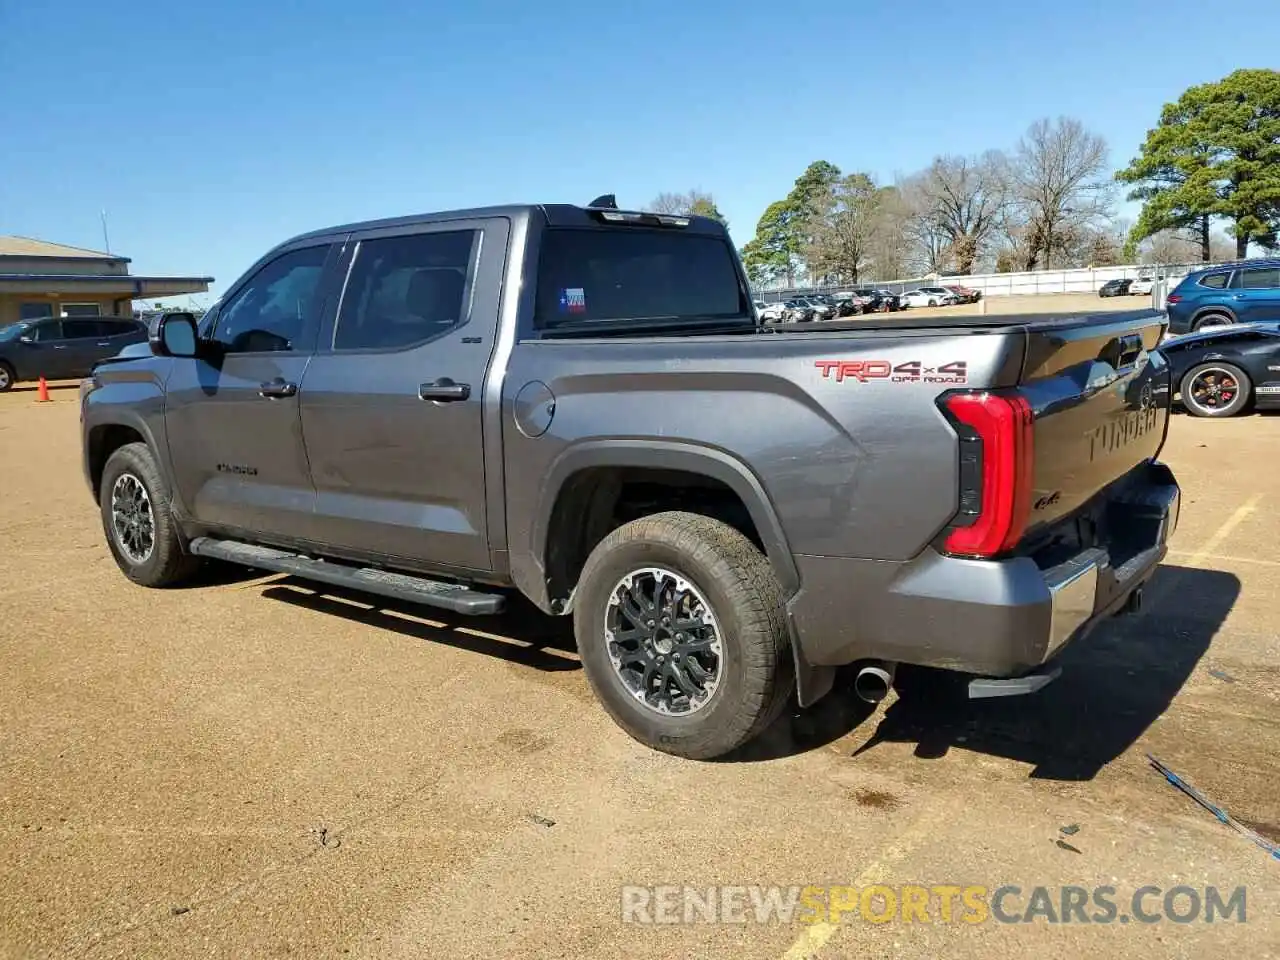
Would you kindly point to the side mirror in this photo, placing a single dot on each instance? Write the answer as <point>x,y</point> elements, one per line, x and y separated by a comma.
<point>175,336</point>
<point>26,338</point>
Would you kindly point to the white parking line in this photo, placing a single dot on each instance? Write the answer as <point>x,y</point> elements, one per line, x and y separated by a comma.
<point>816,937</point>
<point>1225,530</point>
<point>1224,558</point>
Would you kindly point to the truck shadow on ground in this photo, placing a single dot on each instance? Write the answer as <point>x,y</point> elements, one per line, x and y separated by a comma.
<point>1114,684</point>
<point>521,635</point>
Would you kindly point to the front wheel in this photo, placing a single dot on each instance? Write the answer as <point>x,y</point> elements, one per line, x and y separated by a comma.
<point>140,529</point>
<point>1215,389</point>
<point>7,377</point>
<point>682,632</point>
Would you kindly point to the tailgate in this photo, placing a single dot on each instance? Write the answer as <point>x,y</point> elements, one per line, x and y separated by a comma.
<point>1101,399</point>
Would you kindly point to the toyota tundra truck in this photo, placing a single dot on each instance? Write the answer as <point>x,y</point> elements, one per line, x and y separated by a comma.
<point>579,404</point>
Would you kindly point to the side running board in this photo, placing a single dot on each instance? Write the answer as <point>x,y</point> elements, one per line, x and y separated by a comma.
<point>457,597</point>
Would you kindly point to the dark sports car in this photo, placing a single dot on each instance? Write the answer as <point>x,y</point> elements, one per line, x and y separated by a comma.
<point>1221,371</point>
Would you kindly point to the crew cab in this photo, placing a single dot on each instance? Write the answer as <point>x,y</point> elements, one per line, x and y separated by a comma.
<point>580,405</point>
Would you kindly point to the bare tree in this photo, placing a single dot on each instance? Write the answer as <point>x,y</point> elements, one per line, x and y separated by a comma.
<point>1187,246</point>
<point>694,202</point>
<point>962,198</point>
<point>928,246</point>
<point>890,245</point>
<point>1221,248</point>
<point>843,229</point>
<point>1059,186</point>
<point>672,203</point>
<point>1170,246</point>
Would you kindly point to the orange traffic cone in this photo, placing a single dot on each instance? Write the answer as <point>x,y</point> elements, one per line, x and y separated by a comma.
<point>42,395</point>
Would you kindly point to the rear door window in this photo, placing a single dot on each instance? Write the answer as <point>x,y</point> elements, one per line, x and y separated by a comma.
<point>1261,278</point>
<point>119,328</point>
<point>404,291</point>
<point>82,329</point>
<point>613,275</point>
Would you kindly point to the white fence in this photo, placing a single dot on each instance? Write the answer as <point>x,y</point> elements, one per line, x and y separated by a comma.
<point>1077,280</point>
<point>1080,280</point>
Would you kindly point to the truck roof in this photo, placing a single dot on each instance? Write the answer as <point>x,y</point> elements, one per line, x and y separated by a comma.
<point>556,214</point>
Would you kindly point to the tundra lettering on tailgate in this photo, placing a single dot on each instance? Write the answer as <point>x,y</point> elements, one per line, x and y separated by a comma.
<point>1111,436</point>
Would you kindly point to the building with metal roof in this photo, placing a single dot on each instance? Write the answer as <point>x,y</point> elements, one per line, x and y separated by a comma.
<point>41,279</point>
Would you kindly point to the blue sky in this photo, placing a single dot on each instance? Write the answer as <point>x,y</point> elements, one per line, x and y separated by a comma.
<point>211,131</point>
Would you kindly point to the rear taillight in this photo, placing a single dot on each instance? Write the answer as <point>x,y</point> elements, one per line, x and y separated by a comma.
<point>997,459</point>
<point>1173,298</point>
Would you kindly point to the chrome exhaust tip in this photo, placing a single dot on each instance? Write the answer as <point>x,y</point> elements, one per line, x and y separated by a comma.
<point>874,682</point>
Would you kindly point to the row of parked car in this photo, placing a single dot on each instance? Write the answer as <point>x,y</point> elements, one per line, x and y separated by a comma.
<point>849,303</point>
<point>1141,287</point>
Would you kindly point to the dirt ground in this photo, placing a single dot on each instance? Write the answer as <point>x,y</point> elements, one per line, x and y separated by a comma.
<point>248,768</point>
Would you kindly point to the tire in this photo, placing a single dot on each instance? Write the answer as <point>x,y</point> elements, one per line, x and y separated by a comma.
<point>1239,397</point>
<point>1211,320</point>
<point>753,672</point>
<point>933,303</point>
<point>7,377</point>
<point>130,469</point>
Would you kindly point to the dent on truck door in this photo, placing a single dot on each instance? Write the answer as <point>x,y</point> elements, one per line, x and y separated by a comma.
<point>391,404</point>
<point>232,414</point>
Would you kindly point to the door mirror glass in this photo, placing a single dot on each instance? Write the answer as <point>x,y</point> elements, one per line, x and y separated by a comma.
<point>175,336</point>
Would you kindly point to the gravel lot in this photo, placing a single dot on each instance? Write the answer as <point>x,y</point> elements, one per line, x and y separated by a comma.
<point>248,768</point>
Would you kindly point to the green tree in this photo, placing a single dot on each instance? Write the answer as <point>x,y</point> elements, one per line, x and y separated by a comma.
<point>783,233</point>
<point>773,253</point>
<point>706,207</point>
<point>1215,152</point>
<point>1173,177</point>
<point>1129,252</point>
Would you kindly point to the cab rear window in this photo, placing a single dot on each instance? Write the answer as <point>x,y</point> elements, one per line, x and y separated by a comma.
<point>614,275</point>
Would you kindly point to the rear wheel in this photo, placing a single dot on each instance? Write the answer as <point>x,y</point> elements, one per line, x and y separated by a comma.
<point>1212,320</point>
<point>681,628</point>
<point>7,377</point>
<point>1215,389</point>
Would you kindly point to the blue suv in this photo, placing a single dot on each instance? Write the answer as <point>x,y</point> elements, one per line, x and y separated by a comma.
<point>1232,293</point>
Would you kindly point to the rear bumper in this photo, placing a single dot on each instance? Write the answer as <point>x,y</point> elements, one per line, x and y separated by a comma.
<point>990,618</point>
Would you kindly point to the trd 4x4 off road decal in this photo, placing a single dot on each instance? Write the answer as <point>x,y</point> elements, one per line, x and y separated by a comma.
<point>912,371</point>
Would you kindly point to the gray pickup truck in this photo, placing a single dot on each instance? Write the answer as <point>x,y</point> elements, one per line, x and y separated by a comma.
<point>580,404</point>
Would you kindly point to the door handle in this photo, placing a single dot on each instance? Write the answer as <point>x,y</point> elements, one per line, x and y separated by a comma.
<point>444,390</point>
<point>277,388</point>
<point>104,343</point>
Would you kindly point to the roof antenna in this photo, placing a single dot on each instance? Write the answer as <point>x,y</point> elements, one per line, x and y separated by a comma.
<point>607,202</point>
